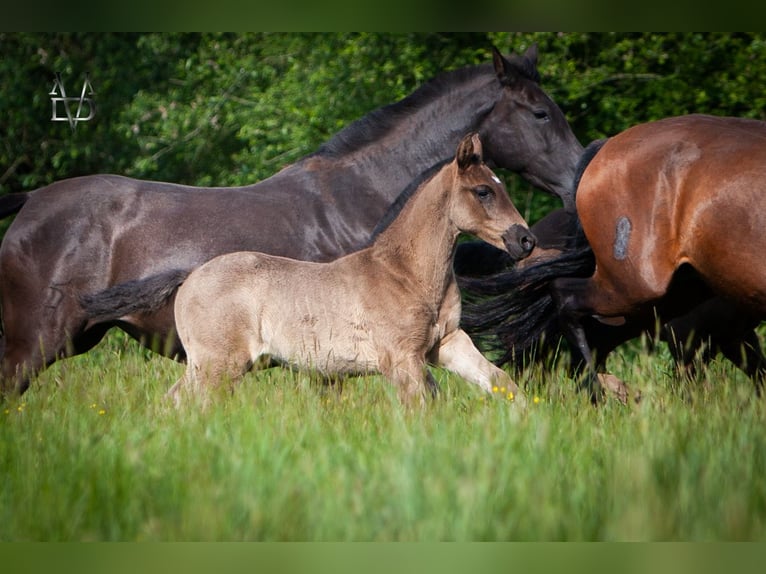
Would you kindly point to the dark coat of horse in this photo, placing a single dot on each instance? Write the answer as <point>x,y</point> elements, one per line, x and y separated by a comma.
<point>672,214</point>
<point>86,234</point>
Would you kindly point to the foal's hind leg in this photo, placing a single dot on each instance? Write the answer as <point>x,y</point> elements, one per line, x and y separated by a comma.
<point>204,377</point>
<point>408,376</point>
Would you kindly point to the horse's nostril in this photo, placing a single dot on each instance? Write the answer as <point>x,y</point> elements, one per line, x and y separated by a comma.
<point>526,239</point>
<point>528,243</point>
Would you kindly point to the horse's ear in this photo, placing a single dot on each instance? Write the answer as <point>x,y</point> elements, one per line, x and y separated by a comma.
<point>469,152</point>
<point>509,71</point>
<point>531,54</point>
<point>502,67</point>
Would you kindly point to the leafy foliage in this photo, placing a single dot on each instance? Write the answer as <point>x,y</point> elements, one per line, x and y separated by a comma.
<point>230,109</point>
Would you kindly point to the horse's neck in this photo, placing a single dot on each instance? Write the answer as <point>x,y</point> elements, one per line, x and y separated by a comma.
<point>419,134</point>
<point>420,243</point>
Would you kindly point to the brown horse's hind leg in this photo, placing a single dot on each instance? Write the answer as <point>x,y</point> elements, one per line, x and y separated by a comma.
<point>577,298</point>
<point>746,353</point>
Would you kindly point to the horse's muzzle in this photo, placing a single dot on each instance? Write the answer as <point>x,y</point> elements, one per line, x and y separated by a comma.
<point>519,241</point>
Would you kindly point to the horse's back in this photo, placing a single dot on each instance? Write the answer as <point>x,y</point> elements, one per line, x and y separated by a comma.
<point>653,174</point>
<point>121,228</point>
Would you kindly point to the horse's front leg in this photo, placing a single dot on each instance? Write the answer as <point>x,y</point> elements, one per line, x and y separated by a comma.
<point>457,353</point>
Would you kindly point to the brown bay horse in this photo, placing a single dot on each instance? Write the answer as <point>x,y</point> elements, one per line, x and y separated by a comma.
<point>391,307</point>
<point>86,234</point>
<point>714,326</point>
<point>673,213</point>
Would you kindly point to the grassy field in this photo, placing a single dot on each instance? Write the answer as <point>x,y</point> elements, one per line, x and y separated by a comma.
<point>94,452</point>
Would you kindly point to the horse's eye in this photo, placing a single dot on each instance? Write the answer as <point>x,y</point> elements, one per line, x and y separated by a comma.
<point>483,191</point>
<point>541,115</point>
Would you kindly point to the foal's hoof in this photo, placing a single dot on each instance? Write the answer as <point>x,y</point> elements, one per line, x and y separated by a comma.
<point>617,388</point>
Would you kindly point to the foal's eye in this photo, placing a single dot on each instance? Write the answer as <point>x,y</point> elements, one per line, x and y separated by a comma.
<point>541,115</point>
<point>483,191</point>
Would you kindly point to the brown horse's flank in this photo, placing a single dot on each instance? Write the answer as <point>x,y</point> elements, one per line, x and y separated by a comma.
<point>390,308</point>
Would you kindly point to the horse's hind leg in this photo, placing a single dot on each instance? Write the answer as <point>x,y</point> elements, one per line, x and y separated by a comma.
<point>206,375</point>
<point>578,298</point>
<point>409,377</point>
<point>746,353</point>
<point>36,336</point>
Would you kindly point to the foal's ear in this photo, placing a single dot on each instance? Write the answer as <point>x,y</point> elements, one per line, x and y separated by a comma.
<point>469,152</point>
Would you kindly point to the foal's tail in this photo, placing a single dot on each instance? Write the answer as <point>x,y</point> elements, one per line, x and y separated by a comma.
<point>138,296</point>
<point>12,203</point>
<point>511,311</point>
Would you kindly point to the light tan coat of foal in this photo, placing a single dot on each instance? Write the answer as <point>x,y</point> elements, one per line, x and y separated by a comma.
<point>391,308</point>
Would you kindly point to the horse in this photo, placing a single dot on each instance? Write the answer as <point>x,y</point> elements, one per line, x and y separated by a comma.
<point>86,234</point>
<point>670,212</point>
<point>712,327</point>
<point>391,307</point>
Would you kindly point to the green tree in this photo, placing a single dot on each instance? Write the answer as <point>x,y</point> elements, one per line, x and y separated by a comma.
<point>229,109</point>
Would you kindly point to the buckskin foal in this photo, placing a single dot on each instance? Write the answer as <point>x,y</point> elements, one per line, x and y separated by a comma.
<point>391,307</point>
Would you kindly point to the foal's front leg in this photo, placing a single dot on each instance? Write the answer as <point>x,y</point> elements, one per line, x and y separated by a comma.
<point>457,353</point>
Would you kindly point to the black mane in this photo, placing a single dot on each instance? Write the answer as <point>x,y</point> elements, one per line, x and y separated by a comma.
<point>377,123</point>
<point>587,156</point>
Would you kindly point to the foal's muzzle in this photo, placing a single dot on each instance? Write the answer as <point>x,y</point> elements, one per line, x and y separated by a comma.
<point>519,241</point>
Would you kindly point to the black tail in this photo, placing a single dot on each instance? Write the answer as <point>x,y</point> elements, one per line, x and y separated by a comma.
<point>139,296</point>
<point>512,311</point>
<point>12,203</point>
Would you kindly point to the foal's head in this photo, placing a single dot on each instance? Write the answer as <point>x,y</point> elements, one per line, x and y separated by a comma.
<point>480,204</point>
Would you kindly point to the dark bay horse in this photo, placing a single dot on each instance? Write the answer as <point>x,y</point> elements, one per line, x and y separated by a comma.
<point>673,213</point>
<point>86,234</point>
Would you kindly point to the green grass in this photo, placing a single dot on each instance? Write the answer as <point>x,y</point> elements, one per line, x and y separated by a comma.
<point>94,452</point>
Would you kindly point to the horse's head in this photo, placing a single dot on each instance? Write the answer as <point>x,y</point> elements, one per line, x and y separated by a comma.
<point>481,206</point>
<point>526,131</point>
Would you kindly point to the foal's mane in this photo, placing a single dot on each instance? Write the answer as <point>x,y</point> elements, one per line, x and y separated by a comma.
<point>379,122</point>
<point>401,200</point>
